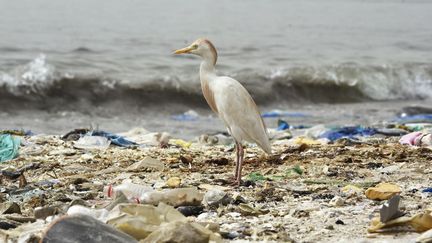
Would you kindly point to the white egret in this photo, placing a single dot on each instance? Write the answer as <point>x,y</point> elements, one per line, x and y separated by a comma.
<point>231,102</point>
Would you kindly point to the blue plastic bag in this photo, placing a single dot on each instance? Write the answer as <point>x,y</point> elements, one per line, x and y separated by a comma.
<point>115,139</point>
<point>348,132</point>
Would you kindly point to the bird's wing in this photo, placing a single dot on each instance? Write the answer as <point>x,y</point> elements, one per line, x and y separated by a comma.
<point>238,110</point>
<point>209,96</point>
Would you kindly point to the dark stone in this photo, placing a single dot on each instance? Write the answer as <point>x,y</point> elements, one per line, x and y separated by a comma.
<point>190,210</point>
<point>340,222</point>
<point>230,235</point>
<point>6,224</point>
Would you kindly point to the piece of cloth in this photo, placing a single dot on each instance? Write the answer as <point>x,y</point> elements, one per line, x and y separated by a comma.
<point>115,139</point>
<point>9,146</point>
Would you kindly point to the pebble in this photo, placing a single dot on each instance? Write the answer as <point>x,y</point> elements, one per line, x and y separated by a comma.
<point>337,201</point>
<point>190,210</point>
<point>173,182</point>
<point>216,197</point>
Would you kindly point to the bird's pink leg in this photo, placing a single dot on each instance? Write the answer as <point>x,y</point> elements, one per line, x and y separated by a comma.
<point>240,164</point>
<point>237,147</point>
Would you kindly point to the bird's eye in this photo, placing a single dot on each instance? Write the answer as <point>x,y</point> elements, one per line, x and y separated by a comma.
<point>195,46</point>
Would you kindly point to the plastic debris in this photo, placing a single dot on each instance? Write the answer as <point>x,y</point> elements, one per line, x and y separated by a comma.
<point>417,139</point>
<point>132,191</point>
<point>331,186</point>
<point>181,231</point>
<point>391,131</point>
<point>9,146</point>
<point>282,125</point>
<point>72,228</point>
<point>426,237</point>
<point>382,191</point>
<point>420,222</point>
<point>143,137</point>
<point>174,197</point>
<point>147,162</point>
<point>92,143</point>
<point>280,113</point>
<point>152,224</point>
<point>100,214</point>
<point>390,210</point>
<point>139,220</point>
<point>115,139</point>
<point>182,143</point>
<point>429,190</point>
<point>347,132</point>
<point>419,118</point>
<point>189,115</point>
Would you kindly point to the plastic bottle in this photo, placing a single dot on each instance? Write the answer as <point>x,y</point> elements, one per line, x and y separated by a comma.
<point>132,191</point>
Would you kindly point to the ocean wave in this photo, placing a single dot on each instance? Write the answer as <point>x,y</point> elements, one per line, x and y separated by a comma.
<point>39,85</point>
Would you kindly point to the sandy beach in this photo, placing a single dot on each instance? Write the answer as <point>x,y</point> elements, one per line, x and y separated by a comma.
<point>305,192</point>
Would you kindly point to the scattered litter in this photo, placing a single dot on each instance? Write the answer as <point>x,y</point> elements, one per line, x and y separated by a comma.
<point>382,191</point>
<point>280,113</point>
<point>390,210</point>
<point>308,179</point>
<point>347,132</point>
<point>189,115</point>
<point>92,143</point>
<point>426,237</point>
<point>115,139</point>
<point>72,228</point>
<point>9,146</point>
<point>145,164</point>
<point>417,139</point>
<point>420,222</point>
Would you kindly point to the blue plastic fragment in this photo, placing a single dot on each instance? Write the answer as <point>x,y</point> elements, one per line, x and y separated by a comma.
<point>348,132</point>
<point>283,114</point>
<point>115,139</point>
<point>415,118</point>
<point>184,117</point>
<point>282,125</point>
<point>429,189</point>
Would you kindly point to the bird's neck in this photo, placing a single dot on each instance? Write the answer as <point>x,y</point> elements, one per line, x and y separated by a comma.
<point>207,70</point>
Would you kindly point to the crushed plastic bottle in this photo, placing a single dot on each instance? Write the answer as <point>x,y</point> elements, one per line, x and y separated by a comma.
<point>132,191</point>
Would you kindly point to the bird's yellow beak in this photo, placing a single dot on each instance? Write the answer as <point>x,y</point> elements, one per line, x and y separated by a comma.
<point>183,50</point>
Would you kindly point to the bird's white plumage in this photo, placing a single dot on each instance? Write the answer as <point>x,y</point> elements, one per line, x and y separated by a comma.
<point>231,101</point>
<point>238,111</point>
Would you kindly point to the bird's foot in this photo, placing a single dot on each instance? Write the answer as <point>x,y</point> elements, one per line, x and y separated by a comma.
<point>232,181</point>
